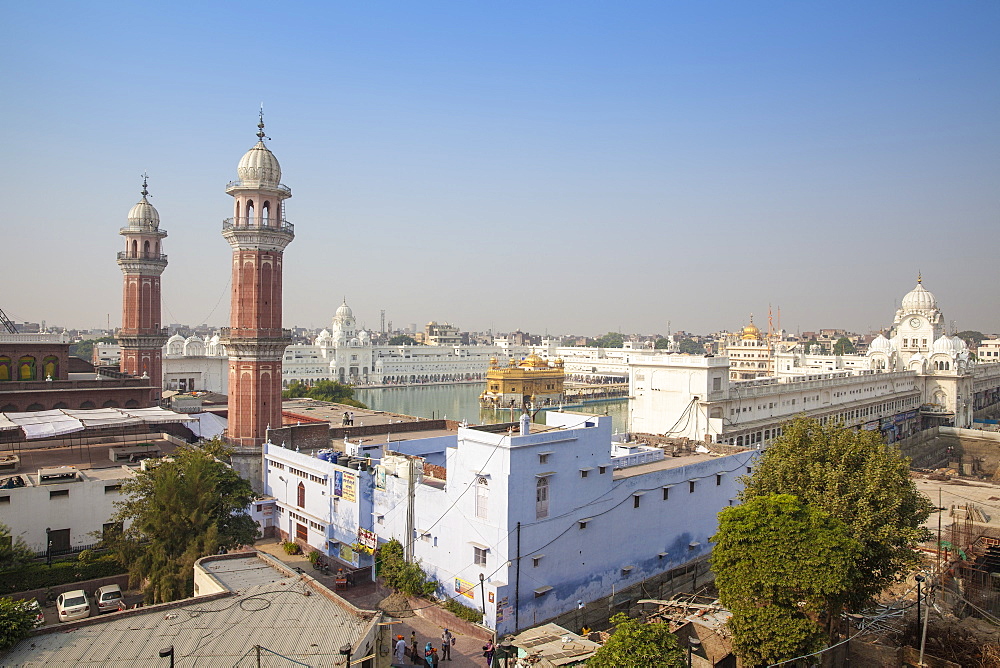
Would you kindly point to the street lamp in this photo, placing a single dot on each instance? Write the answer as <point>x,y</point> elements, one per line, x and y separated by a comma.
<point>48,546</point>
<point>693,643</point>
<point>168,651</point>
<point>919,579</point>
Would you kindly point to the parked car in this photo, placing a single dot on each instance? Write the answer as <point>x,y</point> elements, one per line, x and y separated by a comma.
<point>73,605</point>
<point>36,609</point>
<point>108,598</point>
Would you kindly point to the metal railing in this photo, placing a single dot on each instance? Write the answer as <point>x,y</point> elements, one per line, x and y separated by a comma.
<point>246,223</point>
<point>129,255</point>
<point>255,183</point>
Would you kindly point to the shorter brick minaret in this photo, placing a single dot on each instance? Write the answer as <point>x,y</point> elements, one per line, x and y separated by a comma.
<point>141,337</point>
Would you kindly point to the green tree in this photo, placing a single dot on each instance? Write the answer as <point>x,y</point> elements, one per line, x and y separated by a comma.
<point>858,479</point>
<point>843,346</point>
<point>17,619</point>
<point>971,337</point>
<point>690,347</point>
<point>14,552</point>
<point>181,509</point>
<point>636,644</point>
<point>402,340</point>
<point>610,340</point>
<point>324,390</point>
<point>783,569</point>
<point>396,572</point>
<point>661,344</point>
<point>85,349</point>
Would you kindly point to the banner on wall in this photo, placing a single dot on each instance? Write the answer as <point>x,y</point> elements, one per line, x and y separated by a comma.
<point>367,538</point>
<point>338,483</point>
<point>465,588</point>
<point>350,488</point>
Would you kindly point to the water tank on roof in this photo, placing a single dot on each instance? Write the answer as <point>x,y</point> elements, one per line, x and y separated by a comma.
<point>325,455</point>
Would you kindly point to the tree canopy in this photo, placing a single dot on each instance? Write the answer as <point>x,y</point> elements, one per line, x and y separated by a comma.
<point>402,340</point>
<point>971,337</point>
<point>858,479</point>
<point>783,568</point>
<point>636,644</point>
<point>610,340</point>
<point>182,508</point>
<point>661,343</point>
<point>690,347</point>
<point>843,346</point>
<point>324,390</point>
<point>14,552</point>
<point>17,619</point>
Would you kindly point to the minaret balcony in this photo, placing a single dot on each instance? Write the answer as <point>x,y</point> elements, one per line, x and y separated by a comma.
<point>145,257</point>
<point>146,229</point>
<point>246,223</point>
<point>244,184</point>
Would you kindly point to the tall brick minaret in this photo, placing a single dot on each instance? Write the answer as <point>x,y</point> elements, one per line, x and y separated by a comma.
<point>255,341</point>
<point>141,338</point>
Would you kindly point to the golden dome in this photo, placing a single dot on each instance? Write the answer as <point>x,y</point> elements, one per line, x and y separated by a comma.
<point>533,360</point>
<point>751,331</point>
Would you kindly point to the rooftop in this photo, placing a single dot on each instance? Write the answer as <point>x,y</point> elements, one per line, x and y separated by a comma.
<point>662,465</point>
<point>267,604</point>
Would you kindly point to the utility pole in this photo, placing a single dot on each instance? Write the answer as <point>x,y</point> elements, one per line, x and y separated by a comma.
<point>410,492</point>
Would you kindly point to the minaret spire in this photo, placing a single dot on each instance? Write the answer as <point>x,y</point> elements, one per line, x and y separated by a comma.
<point>260,125</point>
<point>920,277</point>
<point>145,183</point>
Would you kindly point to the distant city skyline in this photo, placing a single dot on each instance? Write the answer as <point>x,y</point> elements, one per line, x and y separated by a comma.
<point>557,167</point>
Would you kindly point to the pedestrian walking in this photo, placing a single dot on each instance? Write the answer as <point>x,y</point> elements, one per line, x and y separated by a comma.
<point>488,651</point>
<point>399,653</point>
<point>415,656</point>
<point>430,656</point>
<point>447,640</point>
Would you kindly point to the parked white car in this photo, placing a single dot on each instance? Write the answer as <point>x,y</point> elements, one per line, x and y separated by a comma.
<point>73,605</point>
<point>108,598</point>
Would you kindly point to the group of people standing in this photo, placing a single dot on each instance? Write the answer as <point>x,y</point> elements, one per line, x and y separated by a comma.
<point>428,656</point>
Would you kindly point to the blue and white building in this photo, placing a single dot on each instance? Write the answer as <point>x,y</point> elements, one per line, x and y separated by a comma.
<point>529,523</point>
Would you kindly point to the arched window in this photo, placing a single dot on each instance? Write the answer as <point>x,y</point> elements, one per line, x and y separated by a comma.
<point>87,405</point>
<point>300,501</point>
<point>110,403</point>
<point>237,212</point>
<point>50,367</point>
<point>5,370</point>
<point>145,248</point>
<point>542,498</point>
<point>265,214</point>
<point>250,218</point>
<point>61,404</point>
<point>26,368</point>
<point>135,248</point>
<point>35,407</point>
<point>131,403</point>
<point>9,408</point>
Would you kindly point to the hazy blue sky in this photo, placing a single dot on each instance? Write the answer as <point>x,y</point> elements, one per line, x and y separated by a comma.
<point>560,166</point>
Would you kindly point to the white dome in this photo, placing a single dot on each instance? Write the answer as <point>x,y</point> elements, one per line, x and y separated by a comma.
<point>324,334</point>
<point>919,299</point>
<point>258,166</point>
<point>944,344</point>
<point>880,344</point>
<point>143,214</point>
<point>176,337</point>
<point>344,311</point>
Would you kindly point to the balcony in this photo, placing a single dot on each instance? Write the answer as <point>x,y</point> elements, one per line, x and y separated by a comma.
<point>239,183</point>
<point>245,223</point>
<point>150,257</point>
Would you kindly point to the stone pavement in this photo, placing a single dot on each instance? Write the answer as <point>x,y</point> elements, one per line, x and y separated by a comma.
<point>467,652</point>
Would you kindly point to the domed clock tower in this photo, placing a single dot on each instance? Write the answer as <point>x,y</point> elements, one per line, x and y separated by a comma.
<point>917,325</point>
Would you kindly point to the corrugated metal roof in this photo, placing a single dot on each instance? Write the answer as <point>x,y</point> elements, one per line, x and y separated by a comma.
<point>267,608</point>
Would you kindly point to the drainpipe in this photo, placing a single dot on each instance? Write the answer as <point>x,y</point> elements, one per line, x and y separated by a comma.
<point>517,580</point>
<point>410,493</point>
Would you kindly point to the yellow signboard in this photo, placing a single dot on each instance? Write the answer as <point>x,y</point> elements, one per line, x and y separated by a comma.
<point>350,491</point>
<point>465,588</point>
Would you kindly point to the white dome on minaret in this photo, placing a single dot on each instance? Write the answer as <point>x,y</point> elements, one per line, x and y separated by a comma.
<point>344,311</point>
<point>258,166</point>
<point>919,298</point>
<point>143,214</point>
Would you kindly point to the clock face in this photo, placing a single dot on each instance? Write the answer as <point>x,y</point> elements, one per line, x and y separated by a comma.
<point>914,322</point>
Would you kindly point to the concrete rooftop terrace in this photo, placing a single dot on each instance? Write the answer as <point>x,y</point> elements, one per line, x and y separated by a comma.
<point>93,458</point>
<point>267,604</point>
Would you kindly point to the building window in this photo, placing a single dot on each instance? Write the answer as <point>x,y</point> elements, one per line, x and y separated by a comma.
<point>5,498</point>
<point>718,478</point>
<point>112,489</point>
<point>301,532</point>
<point>26,368</point>
<point>584,472</point>
<point>112,529</point>
<point>602,469</point>
<point>479,556</point>
<point>482,499</point>
<point>535,560</point>
<point>543,458</point>
<point>690,486</point>
<point>300,501</point>
<point>5,366</point>
<point>583,523</point>
<point>542,498</point>
<point>635,501</point>
<point>666,493</point>
<point>58,493</point>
